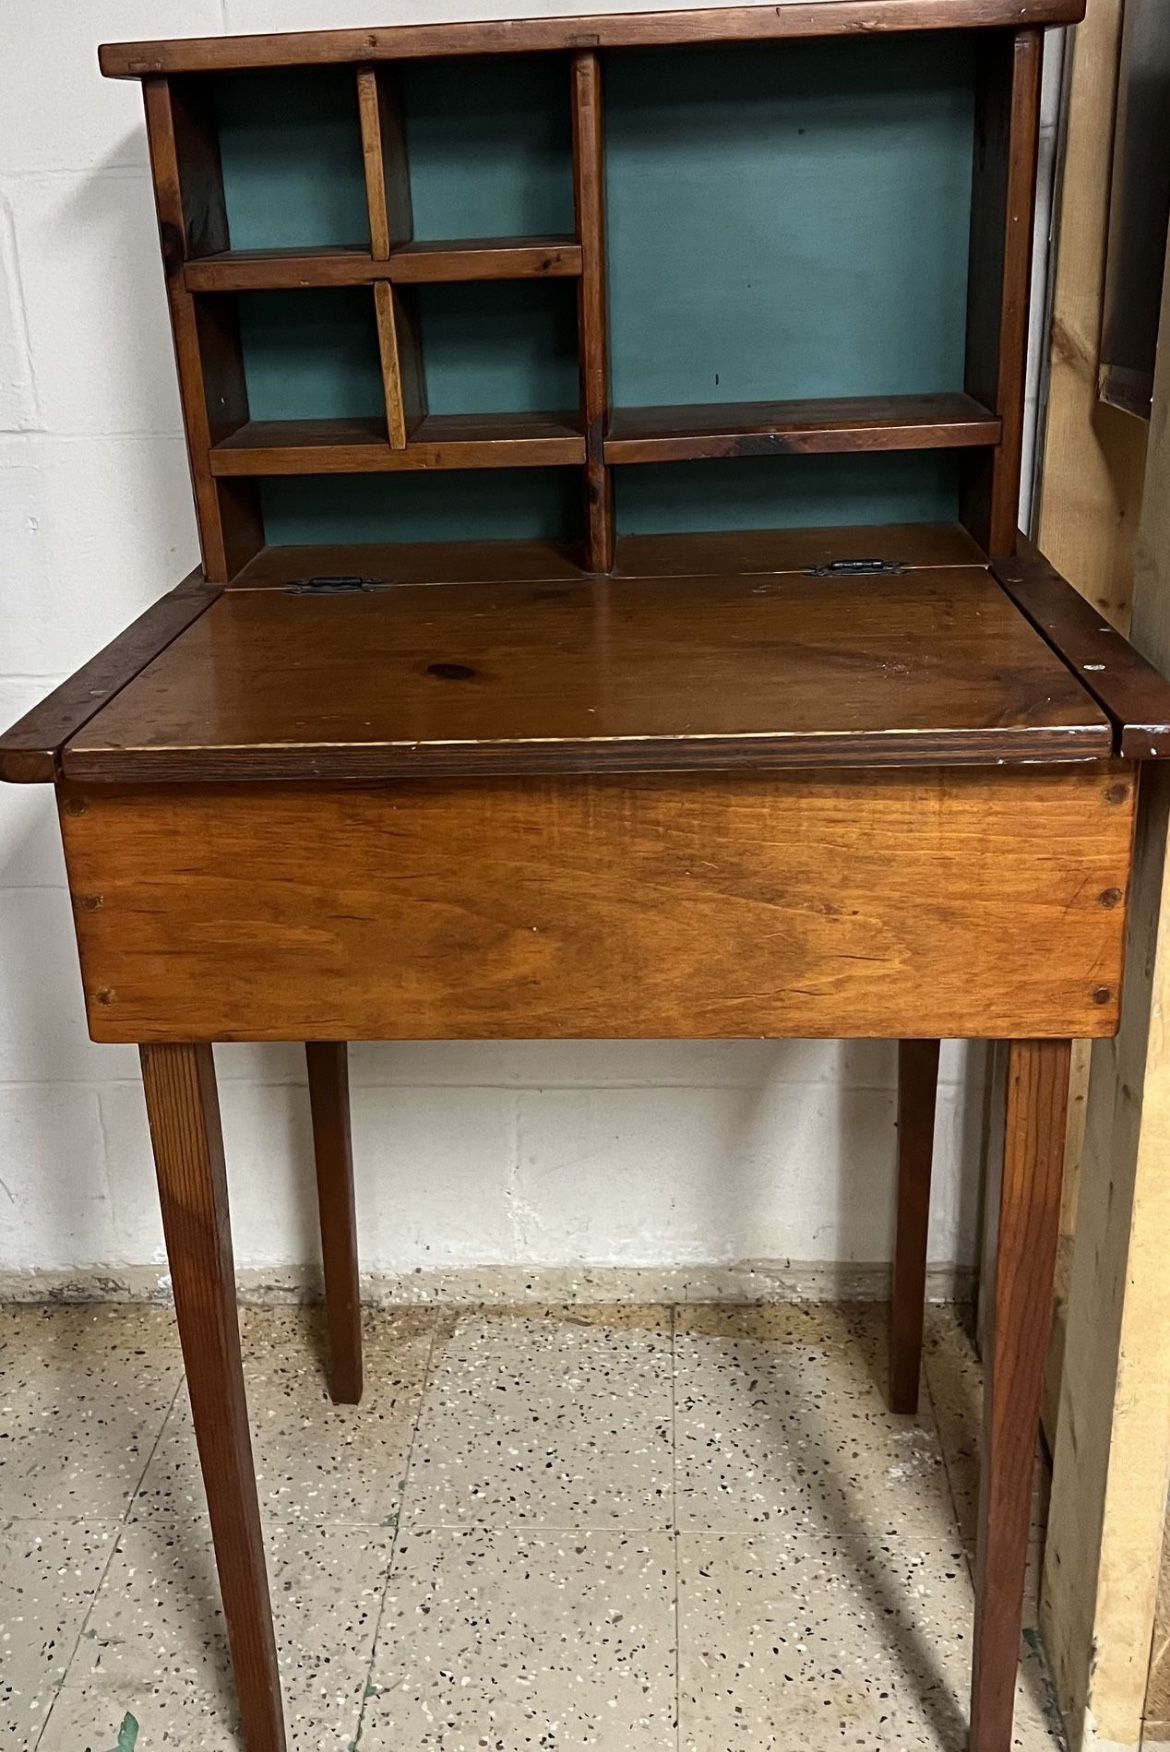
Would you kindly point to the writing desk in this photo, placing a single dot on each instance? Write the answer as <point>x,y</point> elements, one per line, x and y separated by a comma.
<point>707,778</point>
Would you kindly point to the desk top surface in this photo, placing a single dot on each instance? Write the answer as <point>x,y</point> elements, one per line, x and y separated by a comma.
<point>933,666</point>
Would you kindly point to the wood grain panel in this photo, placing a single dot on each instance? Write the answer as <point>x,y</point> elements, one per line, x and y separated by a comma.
<point>677,674</point>
<point>931,903</point>
<point>811,18</point>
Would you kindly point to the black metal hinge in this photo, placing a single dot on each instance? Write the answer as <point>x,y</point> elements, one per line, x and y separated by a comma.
<point>333,586</point>
<point>857,569</point>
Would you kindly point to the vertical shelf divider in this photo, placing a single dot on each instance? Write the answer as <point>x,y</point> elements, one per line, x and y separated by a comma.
<point>192,219</point>
<point>589,205</point>
<point>391,225</point>
<point>1007,133</point>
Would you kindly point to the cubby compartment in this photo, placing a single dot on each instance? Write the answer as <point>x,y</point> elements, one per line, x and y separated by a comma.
<point>489,146</point>
<point>457,506</point>
<point>504,348</point>
<point>290,147</point>
<point>311,355</point>
<point>787,492</point>
<point>789,223</point>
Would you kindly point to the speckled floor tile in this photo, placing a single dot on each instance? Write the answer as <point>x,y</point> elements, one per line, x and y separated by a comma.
<point>314,1460</point>
<point>49,1574</point>
<point>299,1332</point>
<point>781,1419</point>
<point>98,1327</point>
<point>155,1649</point>
<point>790,1641</point>
<point>82,1403</point>
<point>499,1638</point>
<point>555,1423</point>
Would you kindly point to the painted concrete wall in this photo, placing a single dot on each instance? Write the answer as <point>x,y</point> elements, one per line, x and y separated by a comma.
<point>657,1155</point>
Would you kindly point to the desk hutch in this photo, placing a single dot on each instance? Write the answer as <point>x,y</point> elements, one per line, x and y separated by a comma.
<point>606,439</point>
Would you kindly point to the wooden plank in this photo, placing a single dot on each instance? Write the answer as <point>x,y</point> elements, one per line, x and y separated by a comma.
<point>206,337</point>
<point>185,1133</point>
<point>293,447</point>
<point>30,749</point>
<point>1025,1255</point>
<point>592,319</point>
<point>1112,1458</point>
<point>961,902</point>
<point>328,1069</point>
<point>384,157</point>
<point>917,1095</point>
<point>674,674</point>
<point>727,551</point>
<point>1129,690</point>
<point>1003,205</point>
<point>674,434</point>
<point>257,270</point>
<point>804,18</point>
<point>487,258</point>
<point>403,385</point>
<point>1090,487</point>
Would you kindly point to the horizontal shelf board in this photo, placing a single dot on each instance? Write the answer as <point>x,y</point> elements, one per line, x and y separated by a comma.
<point>487,258</point>
<point>476,258</point>
<point>930,666</point>
<point>805,18</point>
<point>441,441</point>
<point>533,561</point>
<point>262,270</point>
<point>680,434</point>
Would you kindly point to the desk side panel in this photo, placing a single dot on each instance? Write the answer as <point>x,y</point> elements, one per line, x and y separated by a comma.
<point>931,903</point>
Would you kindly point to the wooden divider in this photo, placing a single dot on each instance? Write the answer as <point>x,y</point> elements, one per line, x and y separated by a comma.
<point>589,204</point>
<point>391,226</point>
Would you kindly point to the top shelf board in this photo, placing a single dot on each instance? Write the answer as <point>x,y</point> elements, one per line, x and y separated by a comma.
<point>801,18</point>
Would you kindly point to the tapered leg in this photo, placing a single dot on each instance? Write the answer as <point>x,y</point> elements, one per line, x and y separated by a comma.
<point>329,1098</point>
<point>917,1088</point>
<point>1029,1212</point>
<point>183,1110</point>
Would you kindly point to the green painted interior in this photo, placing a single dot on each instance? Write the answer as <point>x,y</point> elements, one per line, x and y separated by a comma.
<point>490,146</point>
<point>787,492</point>
<point>311,355</point>
<point>461,505</point>
<point>789,219</point>
<point>291,149</point>
<point>508,346</point>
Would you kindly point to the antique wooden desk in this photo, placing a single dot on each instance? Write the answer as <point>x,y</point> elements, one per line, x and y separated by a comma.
<point>605,627</point>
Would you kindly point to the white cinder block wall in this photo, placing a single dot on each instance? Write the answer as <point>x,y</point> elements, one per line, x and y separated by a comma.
<point>532,1161</point>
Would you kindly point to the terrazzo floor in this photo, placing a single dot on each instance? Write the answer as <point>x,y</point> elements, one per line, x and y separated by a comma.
<point>694,1529</point>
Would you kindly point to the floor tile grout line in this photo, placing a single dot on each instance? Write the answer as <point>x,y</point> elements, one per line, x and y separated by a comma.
<point>115,1542</point>
<point>426,1382</point>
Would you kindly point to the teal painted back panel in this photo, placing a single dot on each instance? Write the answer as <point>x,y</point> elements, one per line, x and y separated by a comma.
<point>311,355</point>
<point>789,219</point>
<point>496,504</point>
<point>508,347</point>
<point>787,492</point>
<point>490,146</point>
<point>291,148</point>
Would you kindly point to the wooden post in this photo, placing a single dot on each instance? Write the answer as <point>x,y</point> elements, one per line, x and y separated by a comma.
<point>329,1099</point>
<point>917,1094</point>
<point>1112,1458</point>
<point>183,1110</point>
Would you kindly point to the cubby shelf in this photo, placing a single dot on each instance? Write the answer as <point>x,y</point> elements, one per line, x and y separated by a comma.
<point>439,441</point>
<point>678,434</point>
<point>477,258</point>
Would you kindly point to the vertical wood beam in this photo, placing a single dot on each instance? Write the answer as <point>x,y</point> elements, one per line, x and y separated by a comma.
<point>1029,1210</point>
<point>1112,1461</point>
<point>391,216</point>
<point>1002,212</point>
<point>917,1096</point>
<point>188,189</point>
<point>183,1110</point>
<point>333,1153</point>
<point>589,204</point>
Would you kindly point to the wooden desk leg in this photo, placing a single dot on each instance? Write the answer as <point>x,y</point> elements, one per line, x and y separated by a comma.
<point>183,1109</point>
<point>917,1089</point>
<point>329,1098</point>
<point>1033,1165</point>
